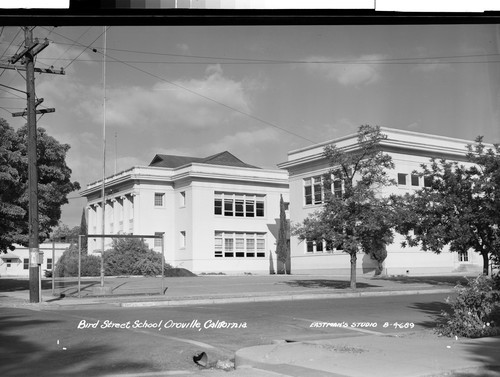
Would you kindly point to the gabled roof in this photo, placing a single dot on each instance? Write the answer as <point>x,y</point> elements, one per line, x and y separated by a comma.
<point>224,158</point>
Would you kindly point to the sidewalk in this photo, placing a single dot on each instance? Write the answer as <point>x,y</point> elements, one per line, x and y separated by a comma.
<point>222,289</point>
<point>369,354</point>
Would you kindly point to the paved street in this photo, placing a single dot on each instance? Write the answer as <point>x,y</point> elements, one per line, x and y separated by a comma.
<point>50,343</point>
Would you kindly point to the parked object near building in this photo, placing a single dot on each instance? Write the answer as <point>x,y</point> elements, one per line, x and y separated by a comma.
<point>218,214</point>
<point>307,168</point>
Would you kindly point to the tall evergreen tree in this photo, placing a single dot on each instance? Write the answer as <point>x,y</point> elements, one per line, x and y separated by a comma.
<point>282,251</point>
<point>84,231</point>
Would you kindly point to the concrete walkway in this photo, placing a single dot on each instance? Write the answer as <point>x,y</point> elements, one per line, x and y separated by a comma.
<point>407,354</point>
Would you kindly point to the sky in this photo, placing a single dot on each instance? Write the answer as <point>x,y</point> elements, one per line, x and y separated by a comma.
<point>255,91</point>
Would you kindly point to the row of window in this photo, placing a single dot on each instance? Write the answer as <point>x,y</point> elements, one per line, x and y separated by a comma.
<point>239,205</point>
<point>320,247</point>
<point>316,188</point>
<point>240,244</point>
<point>26,263</point>
<point>226,204</point>
<point>327,248</point>
<point>414,180</point>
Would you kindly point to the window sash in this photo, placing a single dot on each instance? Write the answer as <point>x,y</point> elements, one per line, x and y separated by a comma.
<point>239,244</point>
<point>159,199</point>
<point>402,179</point>
<point>415,180</point>
<point>243,205</point>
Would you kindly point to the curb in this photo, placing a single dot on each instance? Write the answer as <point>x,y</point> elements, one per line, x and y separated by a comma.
<point>279,298</point>
<point>218,300</point>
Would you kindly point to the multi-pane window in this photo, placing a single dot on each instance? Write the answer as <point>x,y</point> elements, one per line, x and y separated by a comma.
<point>414,180</point>
<point>239,245</point>
<point>26,264</point>
<point>159,199</point>
<point>49,263</point>
<point>463,256</point>
<point>315,189</point>
<point>402,179</point>
<point>239,205</point>
<point>158,241</point>
<point>320,247</point>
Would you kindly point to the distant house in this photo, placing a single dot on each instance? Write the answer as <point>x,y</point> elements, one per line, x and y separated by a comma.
<point>408,150</point>
<point>15,263</point>
<point>217,214</point>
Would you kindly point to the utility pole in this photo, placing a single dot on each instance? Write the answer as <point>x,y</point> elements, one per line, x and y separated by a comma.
<point>32,48</point>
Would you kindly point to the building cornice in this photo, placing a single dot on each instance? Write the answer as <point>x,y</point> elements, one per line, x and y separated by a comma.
<point>398,141</point>
<point>191,171</point>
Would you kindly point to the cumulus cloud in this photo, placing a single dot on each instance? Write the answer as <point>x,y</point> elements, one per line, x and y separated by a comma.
<point>354,72</point>
<point>193,103</point>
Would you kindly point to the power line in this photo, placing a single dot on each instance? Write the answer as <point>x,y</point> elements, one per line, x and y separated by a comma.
<point>99,36</point>
<point>281,63</point>
<point>199,94</point>
<point>220,59</point>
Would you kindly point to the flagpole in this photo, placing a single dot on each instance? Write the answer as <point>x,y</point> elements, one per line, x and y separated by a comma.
<point>103,192</point>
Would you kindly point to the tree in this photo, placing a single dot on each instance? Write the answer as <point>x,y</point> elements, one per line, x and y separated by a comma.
<point>64,233</point>
<point>54,184</point>
<point>83,231</point>
<point>282,243</point>
<point>459,207</point>
<point>11,210</point>
<point>354,216</point>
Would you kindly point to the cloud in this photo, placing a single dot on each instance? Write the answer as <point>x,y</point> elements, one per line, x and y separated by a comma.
<point>194,103</point>
<point>354,72</point>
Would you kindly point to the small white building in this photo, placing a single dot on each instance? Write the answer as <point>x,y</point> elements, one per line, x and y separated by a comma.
<point>15,263</point>
<point>217,214</point>
<point>408,151</point>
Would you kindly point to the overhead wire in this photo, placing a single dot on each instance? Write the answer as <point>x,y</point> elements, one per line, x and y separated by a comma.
<point>194,92</point>
<point>222,60</point>
<point>230,60</point>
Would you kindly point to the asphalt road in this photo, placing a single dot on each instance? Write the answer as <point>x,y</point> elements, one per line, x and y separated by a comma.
<point>94,342</point>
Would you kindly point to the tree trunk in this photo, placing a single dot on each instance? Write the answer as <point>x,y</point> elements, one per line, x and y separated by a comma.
<point>353,269</point>
<point>486,262</point>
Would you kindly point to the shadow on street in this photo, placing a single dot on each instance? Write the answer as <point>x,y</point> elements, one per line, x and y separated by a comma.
<point>433,310</point>
<point>21,357</point>
<point>326,283</point>
<point>450,281</point>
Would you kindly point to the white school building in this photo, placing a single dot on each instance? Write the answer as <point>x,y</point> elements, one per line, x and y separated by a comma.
<point>408,151</point>
<point>217,214</point>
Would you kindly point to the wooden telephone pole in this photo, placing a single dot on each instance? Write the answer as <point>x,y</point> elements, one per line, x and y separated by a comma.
<point>32,48</point>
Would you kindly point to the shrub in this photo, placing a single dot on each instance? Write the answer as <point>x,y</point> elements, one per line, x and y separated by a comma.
<point>131,256</point>
<point>68,264</point>
<point>474,312</point>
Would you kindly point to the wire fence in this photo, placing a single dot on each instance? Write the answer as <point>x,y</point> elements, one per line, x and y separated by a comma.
<point>78,273</point>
